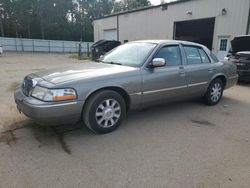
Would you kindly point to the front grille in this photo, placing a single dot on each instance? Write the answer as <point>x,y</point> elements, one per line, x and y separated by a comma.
<point>27,85</point>
<point>242,68</point>
<point>243,65</point>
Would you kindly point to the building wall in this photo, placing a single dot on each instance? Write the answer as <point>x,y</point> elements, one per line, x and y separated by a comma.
<point>103,24</point>
<point>159,24</point>
<point>249,22</point>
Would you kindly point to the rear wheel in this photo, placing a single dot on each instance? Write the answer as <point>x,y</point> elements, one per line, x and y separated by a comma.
<point>104,111</point>
<point>214,92</point>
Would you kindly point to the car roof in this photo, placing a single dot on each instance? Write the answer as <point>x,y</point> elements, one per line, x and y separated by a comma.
<point>171,42</point>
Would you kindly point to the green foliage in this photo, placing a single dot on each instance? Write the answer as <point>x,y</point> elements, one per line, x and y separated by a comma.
<point>125,5</point>
<point>58,19</point>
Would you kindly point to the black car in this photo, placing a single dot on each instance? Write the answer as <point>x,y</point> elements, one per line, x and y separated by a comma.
<point>240,55</point>
<point>101,47</point>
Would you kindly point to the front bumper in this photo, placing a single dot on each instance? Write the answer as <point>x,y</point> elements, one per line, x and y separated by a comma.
<point>244,75</point>
<point>48,113</point>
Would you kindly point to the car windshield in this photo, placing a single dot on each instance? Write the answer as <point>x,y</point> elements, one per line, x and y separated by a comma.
<point>130,54</point>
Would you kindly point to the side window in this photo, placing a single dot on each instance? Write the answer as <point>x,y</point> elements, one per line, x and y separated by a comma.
<point>204,57</point>
<point>193,55</point>
<point>171,54</point>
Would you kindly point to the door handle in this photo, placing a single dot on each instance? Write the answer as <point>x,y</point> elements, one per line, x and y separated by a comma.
<point>182,73</point>
<point>211,70</point>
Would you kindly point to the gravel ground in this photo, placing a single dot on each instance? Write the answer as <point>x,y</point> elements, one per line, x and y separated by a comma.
<point>178,145</point>
<point>13,68</point>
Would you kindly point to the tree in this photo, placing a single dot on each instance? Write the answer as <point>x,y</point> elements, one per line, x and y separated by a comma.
<point>58,19</point>
<point>125,5</point>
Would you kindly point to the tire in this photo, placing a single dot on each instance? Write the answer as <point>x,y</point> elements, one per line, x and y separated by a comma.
<point>104,111</point>
<point>214,92</point>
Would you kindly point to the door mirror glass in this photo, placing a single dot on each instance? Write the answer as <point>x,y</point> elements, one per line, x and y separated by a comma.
<point>158,62</point>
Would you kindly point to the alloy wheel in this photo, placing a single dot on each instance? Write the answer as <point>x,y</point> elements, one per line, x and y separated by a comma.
<point>216,92</point>
<point>108,113</point>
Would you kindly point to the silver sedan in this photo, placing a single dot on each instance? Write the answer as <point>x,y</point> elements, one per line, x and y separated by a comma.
<point>134,75</point>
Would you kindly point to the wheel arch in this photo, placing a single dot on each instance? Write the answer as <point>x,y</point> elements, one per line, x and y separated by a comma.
<point>117,89</point>
<point>222,77</point>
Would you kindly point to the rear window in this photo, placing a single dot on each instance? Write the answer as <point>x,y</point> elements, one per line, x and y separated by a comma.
<point>193,55</point>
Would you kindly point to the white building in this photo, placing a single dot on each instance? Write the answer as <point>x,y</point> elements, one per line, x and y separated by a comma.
<point>210,22</point>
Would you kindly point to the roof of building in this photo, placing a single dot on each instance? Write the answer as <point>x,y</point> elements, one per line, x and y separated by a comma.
<point>164,6</point>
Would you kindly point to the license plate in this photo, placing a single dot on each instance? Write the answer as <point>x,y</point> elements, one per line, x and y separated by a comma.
<point>240,64</point>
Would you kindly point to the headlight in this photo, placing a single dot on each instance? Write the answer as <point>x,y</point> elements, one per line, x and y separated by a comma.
<point>53,94</point>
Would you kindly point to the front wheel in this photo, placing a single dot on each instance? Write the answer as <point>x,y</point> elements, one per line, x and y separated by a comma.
<point>214,92</point>
<point>104,111</point>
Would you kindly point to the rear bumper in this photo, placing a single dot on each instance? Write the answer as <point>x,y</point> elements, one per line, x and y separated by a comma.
<point>231,81</point>
<point>45,113</point>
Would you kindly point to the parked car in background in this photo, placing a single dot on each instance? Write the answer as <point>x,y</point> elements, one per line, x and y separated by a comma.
<point>101,47</point>
<point>240,55</point>
<point>134,75</point>
<point>1,49</point>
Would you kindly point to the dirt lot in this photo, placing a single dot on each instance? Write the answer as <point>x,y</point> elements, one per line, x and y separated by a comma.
<point>180,145</point>
<point>13,68</point>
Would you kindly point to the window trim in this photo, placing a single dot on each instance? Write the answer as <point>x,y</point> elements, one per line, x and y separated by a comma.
<point>205,54</point>
<point>169,45</point>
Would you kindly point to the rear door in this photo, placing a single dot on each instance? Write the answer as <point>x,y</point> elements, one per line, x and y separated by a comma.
<point>164,83</point>
<point>199,69</point>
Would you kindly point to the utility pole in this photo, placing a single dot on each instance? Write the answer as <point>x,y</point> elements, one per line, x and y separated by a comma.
<point>1,26</point>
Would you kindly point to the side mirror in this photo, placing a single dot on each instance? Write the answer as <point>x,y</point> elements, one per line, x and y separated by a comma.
<point>158,62</point>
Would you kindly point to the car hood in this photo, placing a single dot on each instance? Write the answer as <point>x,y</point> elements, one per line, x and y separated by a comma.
<point>241,43</point>
<point>85,70</point>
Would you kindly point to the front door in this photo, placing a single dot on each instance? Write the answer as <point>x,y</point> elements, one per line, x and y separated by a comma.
<point>223,47</point>
<point>162,83</point>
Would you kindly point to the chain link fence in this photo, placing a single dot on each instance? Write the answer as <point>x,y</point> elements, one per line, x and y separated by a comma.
<point>38,45</point>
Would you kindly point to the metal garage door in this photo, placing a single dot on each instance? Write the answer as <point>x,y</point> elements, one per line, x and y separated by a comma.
<point>198,30</point>
<point>110,34</point>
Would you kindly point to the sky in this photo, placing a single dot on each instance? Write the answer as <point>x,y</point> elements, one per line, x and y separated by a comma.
<point>155,2</point>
